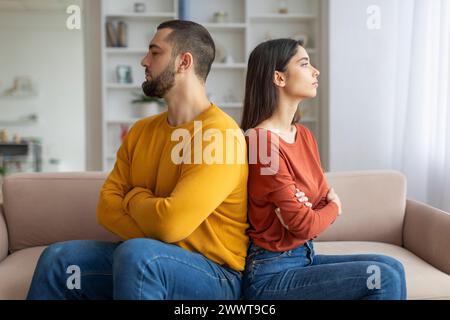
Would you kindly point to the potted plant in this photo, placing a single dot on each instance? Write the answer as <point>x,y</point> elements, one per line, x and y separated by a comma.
<point>147,106</point>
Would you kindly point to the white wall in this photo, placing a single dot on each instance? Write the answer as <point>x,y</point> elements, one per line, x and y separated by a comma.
<point>362,77</point>
<point>38,44</point>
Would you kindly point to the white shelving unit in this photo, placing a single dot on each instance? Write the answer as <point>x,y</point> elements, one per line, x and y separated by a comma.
<point>118,113</point>
<point>248,23</point>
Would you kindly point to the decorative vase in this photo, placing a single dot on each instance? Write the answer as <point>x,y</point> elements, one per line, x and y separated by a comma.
<point>220,16</point>
<point>139,7</point>
<point>282,7</point>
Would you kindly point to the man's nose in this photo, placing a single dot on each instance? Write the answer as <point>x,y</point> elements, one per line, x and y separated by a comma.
<point>144,61</point>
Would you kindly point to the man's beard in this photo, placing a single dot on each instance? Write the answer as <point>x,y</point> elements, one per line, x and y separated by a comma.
<point>159,86</point>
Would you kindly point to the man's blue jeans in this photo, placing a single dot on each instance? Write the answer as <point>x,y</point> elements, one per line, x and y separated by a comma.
<point>134,269</point>
<point>300,274</point>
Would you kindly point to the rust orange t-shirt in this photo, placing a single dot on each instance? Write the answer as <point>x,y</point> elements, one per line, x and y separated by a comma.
<point>273,185</point>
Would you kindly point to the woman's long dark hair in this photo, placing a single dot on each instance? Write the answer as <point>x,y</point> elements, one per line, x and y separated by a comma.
<point>261,95</point>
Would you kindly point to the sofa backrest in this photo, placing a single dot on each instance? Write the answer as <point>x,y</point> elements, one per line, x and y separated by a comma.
<point>373,206</point>
<point>43,208</point>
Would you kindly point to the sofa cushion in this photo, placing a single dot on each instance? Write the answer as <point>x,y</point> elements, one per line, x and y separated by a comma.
<point>373,206</point>
<point>423,281</point>
<point>3,235</point>
<point>44,208</point>
<point>16,272</point>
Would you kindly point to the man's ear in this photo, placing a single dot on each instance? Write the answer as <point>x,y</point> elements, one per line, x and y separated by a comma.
<point>185,62</point>
<point>279,79</point>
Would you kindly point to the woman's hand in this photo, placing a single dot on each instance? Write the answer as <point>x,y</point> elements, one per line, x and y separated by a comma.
<point>332,196</point>
<point>300,197</point>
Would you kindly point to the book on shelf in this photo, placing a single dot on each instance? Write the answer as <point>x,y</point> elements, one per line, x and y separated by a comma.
<point>116,34</point>
<point>111,35</point>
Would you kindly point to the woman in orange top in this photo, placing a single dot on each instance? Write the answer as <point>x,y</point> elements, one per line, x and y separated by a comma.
<point>289,201</point>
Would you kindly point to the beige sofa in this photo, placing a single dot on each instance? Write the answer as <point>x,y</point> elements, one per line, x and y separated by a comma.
<point>43,208</point>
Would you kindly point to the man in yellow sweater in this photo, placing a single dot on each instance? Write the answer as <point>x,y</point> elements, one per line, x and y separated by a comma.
<point>177,195</point>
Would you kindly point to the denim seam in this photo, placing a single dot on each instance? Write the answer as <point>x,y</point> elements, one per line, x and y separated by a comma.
<point>282,255</point>
<point>312,285</point>
<point>255,264</point>
<point>171,258</point>
<point>253,270</point>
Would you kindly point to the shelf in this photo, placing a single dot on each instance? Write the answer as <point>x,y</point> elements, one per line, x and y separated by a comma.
<point>225,25</point>
<point>123,86</point>
<point>30,119</point>
<point>118,50</point>
<point>132,15</point>
<point>238,34</point>
<point>278,16</point>
<point>229,66</point>
<point>120,121</point>
<point>10,149</point>
<point>18,96</point>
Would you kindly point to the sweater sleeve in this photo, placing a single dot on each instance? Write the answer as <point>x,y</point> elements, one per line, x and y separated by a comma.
<point>279,188</point>
<point>110,213</point>
<point>199,191</point>
<point>313,145</point>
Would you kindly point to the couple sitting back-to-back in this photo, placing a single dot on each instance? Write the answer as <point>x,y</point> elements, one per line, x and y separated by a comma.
<point>225,220</point>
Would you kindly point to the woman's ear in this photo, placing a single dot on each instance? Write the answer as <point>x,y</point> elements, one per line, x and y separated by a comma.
<point>185,62</point>
<point>279,79</point>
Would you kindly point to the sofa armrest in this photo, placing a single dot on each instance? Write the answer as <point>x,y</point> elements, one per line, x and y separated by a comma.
<point>426,233</point>
<point>3,235</point>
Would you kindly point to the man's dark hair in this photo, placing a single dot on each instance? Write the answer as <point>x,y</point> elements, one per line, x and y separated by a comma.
<point>188,36</point>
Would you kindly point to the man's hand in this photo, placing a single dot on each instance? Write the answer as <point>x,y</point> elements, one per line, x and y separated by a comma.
<point>332,196</point>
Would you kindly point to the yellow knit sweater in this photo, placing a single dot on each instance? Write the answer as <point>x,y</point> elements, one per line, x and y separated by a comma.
<point>198,204</point>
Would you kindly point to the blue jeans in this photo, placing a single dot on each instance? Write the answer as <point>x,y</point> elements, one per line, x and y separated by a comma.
<point>300,274</point>
<point>134,269</point>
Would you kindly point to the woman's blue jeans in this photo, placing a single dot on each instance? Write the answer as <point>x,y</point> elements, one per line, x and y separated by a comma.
<point>135,269</point>
<point>300,274</point>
